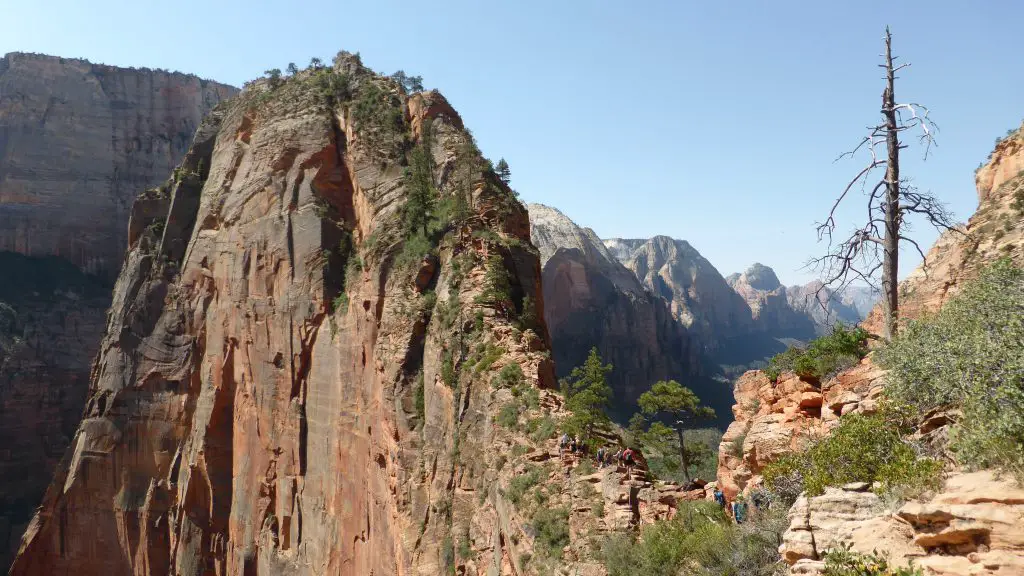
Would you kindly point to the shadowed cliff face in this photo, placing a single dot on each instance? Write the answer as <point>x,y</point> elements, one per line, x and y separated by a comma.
<point>590,300</point>
<point>285,386</point>
<point>77,142</point>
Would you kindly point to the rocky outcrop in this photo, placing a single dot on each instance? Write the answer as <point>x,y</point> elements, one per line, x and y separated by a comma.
<point>773,419</point>
<point>592,300</point>
<point>994,231</point>
<point>972,527</point>
<point>286,384</point>
<point>78,141</point>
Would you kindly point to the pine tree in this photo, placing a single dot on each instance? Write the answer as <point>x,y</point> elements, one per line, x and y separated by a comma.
<point>588,394</point>
<point>504,174</point>
<point>679,407</point>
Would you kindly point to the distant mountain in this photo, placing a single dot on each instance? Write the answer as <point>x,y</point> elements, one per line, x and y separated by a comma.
<point>826,307</point>
<point>698,295</point>
<point>592,300</point>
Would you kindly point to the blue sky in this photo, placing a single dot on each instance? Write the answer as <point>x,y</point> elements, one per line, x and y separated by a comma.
<point>716,122</point>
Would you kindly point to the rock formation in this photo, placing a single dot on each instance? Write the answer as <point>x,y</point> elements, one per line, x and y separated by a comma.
<point>300,376</point>
<point>78,141</point>
<point>770,305</point>
<point>825,307</point>
<point>591,299</point>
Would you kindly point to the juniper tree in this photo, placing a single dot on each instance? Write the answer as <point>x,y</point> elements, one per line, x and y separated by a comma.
<point>875,245</point>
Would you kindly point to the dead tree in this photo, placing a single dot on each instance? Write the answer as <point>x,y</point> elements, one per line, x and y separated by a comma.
<point>875,245</point>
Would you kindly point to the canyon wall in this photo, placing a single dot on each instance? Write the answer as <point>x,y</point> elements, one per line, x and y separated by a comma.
<point>78,142</point>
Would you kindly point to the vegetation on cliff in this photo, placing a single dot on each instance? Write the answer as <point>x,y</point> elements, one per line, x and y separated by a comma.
<point>823,357</point>
<point>969,358</point>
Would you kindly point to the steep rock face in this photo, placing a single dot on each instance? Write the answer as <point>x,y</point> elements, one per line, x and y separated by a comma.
<point>591,299</point>
<point>78,141</point>
<point>769,303</point>
<point>698,296</point>
<point>996,230</point>
<point>268,401</point>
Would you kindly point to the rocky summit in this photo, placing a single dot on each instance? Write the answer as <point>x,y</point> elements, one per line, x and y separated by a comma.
<point>78,142</point>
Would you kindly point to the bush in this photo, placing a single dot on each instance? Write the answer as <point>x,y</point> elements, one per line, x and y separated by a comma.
<point>823,357</point>
<point>518,486</point>
<point>541,429</point>
<point>970,356</point>
<point>508,377</point>
<point>843,562</point>
<point>552,527</point>
<point>508,416</point>
<point>861,449</point>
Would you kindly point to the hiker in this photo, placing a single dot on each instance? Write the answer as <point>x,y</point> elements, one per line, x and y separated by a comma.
<point>760,500</point>
<point>600,457</point>
<point>563,442</point>
<point>739,509</point>
<point>618,457</point>
<point>579,444</point>
<point>627,458</point>
<point>572,445</point>
<point>720,498</point>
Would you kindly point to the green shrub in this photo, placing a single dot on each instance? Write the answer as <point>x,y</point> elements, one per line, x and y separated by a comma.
<point>970,356</point>
<point>842,561</point>
<point>542,428</point>
<point>519,485</point>
<point>340,303</point>
<point>448,374</point>
<point>861,449</point>
<point>552,527</point>
<point>508,416</point>
<point>496,285</point>
<point>823,357</point>
<point>508,377</point>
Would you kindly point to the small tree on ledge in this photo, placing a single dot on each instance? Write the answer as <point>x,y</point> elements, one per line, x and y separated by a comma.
<point>680,408</point>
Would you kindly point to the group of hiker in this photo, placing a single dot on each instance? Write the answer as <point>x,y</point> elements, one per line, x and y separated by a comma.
<point>605,455</point>
<point>738,508</point>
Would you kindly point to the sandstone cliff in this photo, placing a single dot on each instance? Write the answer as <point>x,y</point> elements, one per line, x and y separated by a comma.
<point>300,377</point>
<point>591,299</point>
<point>78,141</point>
<point>825,307</point>
<point>769,303</point>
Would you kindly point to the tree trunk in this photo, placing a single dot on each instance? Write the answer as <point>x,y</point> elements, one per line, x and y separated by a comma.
<point>890,265</point>
<point>682,454</point>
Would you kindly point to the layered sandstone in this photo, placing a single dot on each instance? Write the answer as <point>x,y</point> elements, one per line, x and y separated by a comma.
<point>698,296</point>
<point>78,141</point>
<point>773,419</point>
<point>769,303</point>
